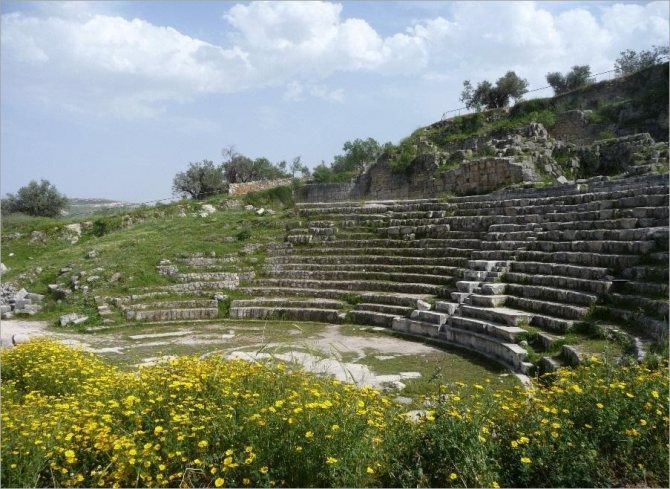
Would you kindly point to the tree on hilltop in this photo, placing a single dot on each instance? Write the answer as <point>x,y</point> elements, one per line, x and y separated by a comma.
<point>36,199</point>
<point>357,153</point>
<point>489,96</point>
<point>578,77</point>
<point>200,180</point>
<point>630,61</point>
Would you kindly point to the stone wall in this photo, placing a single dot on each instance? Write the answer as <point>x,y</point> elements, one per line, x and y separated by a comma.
<point>324,192</point>
<point>572,126</point>
<point>380,182</point>
<point>246,187</point>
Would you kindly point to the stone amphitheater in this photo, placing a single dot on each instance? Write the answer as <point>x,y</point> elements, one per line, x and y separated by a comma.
<point>497,274</point>
<point>521,275</point>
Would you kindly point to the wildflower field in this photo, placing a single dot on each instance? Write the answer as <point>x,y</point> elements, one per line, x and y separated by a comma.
<point>71,420</point>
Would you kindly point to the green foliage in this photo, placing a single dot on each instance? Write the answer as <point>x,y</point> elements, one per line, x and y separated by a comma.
<point>357,154</point>
<point>277,197</point>
<point>630,61</point>
<point>579,76</point>
<point>325,174</point>
<point>243,234</point>
<point>200,180</point>
<point>36,199</point>
<point>507,87</point>
<point>402,156</point>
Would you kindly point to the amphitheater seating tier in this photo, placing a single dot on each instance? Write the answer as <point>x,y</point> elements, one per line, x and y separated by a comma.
<point>485,272</point>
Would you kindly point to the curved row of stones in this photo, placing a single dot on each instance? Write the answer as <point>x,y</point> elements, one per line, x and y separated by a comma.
<point>479,272</point>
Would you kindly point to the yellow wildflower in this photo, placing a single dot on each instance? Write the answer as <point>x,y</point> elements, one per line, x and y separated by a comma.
<point>526,460</point>
<point>219,482</point>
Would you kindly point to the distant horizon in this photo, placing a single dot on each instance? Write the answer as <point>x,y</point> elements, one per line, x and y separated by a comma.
<point>111,99</point>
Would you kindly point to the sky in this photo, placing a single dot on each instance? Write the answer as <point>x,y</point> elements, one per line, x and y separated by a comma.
<point>112,99</point>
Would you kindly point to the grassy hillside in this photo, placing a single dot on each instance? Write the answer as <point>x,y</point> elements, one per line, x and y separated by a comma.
<point>132,244</point>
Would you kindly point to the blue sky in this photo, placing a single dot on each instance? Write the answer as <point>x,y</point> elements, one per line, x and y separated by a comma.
<point>111,99</point>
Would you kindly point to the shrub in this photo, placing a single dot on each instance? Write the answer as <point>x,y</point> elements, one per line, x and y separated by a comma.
<point>37,199</point>
<point>273,197</point>
<point>70,420</point>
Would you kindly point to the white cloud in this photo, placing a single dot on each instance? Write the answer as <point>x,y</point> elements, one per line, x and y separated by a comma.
<point>296,92</point>
<point>133,68</point>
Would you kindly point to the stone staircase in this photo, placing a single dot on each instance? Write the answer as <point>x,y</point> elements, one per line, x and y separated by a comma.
<point>198,283</point>
<point>519,265</point>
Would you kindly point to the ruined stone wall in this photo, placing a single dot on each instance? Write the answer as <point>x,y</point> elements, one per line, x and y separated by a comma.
<point>380,182</point>
<point>246,187</point>
<point>324,192</point>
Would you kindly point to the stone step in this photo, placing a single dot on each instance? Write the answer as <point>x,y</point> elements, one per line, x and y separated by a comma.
<point>510,235</point>
<point>551,294</point>
<point>502,315</point>
<point>286,313</point>
<point>412,251</point>
<point>539,268</point>
<point>499,331</point>
<point>173,305</point>
<point>368,259</point>
<point>415,327</point>
<point>488,265</point>
<point>493,288</point>
<point>509,354</point>
<point>651,328</point>
<point>372,318</point>
<point>481,300</point>
<point>190,287</point>
<point>652,307</point>
<point>546,308</point>
<point>165,315</point>
<point>636,234</point>
<point>577,258</point>
<point>345,267</point>
<point>321,205</point>
<point>557,281</point>
<point>288,303</point>
<point>646,288</point>
<point>564,196</point>
<point>354,285</point>
<point>385,308</point>
<point>446,307</point>
<point>603,247</point>
<point>467,286</point>
<point>647,274</point>
<point>553,324</point>
<point>221,277</point>
<point>494,255</point>
<point>467,244</point>
<point>607,224</point>
<point>337,275</point>
<point>404,300</point>
<point>432,317</point>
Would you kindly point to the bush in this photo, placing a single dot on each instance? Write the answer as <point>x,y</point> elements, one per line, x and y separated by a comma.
<point>70,420</point>
<point>281,197</point>
<point>37,199</point>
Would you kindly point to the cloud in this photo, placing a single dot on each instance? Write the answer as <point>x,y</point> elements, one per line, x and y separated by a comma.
<point>296,92</point>
<point>77,56</point>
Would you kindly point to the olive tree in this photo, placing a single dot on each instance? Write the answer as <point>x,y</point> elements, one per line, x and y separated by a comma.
<point>200,180</point>
<point>489,96</point>
<point>37,199</point>
<point>578,77</point>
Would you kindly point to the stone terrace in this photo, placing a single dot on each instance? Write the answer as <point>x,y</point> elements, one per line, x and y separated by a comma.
<point>488,273</point>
